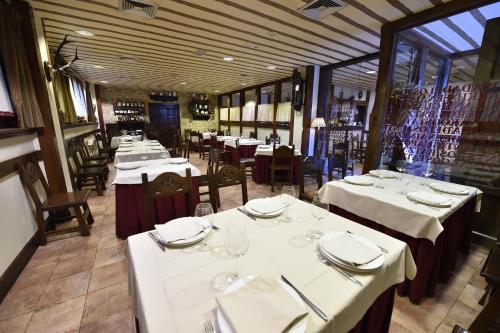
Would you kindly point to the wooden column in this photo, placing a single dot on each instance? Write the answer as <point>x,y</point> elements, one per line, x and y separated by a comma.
<point>325,92</point>
<point>102,125</point>
<point>277,97</point>
<point>219,105</point>
<point>242,102</point>
<point>291,126</point>
<point>47,134</point>
<point>257,103</point>
<point>306,115</point>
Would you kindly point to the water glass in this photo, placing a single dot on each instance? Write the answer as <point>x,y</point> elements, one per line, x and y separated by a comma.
<point>428,172</point>
<point>319,211</point>
<point>236,245</point>
<point>287,197</point>
<point>202,209</point>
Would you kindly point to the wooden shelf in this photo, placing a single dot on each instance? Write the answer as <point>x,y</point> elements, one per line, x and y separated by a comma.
<point>12,132</point>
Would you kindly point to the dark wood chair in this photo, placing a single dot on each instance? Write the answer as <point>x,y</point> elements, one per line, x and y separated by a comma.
<point>165,185</point>
<point>312,168</point>
<point>342,163</point>
<point>227,175</point>
<point>85,176</point>
<point>253,135</point>
<point>195,141</point>
<point>30,174</point>
<point>282,166</point>
<point>203,180</point>
<point>220,133</point>
<point>246,162</point>
<point>88,162</point>
<point>204,149</point>
<point>273,139</point>
<point>183,149</point>
<point>104,146</point>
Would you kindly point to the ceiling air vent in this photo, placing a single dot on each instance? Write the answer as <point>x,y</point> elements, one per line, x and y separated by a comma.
<point>138,7</point>
<point>318,9</point>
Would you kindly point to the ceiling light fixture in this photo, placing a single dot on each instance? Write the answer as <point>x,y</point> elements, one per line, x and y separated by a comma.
<point>251,45</point>
<point>84,33</point>
<point>271,67</point>
<point>104,81</point>
<point>216,91</point>
<point>243,84</point>
<point>98,66</point>
<point>371,72</point>
<point>228,58</point>
<point>183,82</point>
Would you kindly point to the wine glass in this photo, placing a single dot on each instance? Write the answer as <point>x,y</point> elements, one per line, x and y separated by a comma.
<point>236,245</point>
<point>428,171</point>
<point>407,180</point>
<point>287,197</point>
<point>202,209</point>
<point>319,211</point>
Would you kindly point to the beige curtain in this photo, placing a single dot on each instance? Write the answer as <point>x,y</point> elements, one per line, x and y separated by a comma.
<point>18,75</point>
<point>64,101</point>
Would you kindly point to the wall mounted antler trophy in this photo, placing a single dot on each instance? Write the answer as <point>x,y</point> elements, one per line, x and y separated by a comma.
<point>298,90</point>
<point>61,65</point>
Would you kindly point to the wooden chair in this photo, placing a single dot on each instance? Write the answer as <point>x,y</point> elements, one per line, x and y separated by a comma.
<point>183,149</point>
<point>282,163</point>
<point>204,149</point>
<point>203,180</point>
<point>30,174</point>
<point>88,162</point>
<point>228,175</point>
<point>273,139</point>
<point>85,176</point>
<point>246,162</point>
<point>312,167</point>
<point>104,146</point>
<point>253,135</point>
<point>165,185</point>
<point>195,141</point>
<point>342,163</point>
<point>220,133</point>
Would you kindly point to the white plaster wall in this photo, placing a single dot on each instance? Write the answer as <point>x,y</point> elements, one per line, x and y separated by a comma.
<point>283,134</point>
<point>71,132</point>
<point>263,132</point>
<point>17,221</point>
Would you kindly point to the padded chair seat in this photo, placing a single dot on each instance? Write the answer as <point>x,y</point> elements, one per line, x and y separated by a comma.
<point>58,200</point>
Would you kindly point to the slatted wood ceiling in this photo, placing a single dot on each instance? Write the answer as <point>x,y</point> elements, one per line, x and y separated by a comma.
<point>257,33</point>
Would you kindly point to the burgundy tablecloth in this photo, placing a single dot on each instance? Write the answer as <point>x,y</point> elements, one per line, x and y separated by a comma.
<point>262,173</point>
<point>130,208</point>
<point>435,262</point>
<point>245,151</point>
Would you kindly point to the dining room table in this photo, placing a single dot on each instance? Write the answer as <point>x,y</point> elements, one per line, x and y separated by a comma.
<point>173,291</point>
<point>140,150</point>
<point>247,148</point>
<point>129,194</point>
<point>435,234</point>
<point>117,140</point>
<point>263,159</point>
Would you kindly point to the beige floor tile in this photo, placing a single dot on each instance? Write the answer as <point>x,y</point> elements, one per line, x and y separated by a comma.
<point>16,324</point>
<point>122,322</point>
<point>62,317</point>
<point>105,302</point>
<point>108,275</point>
<point>73,266</point>
<point>34,275</point>
<point>461,314</point>
<point>63,289</point>
<point>471,296</point>
<point>21,301</point>
<point>110,255</point>
<point>413,317</point>
<point>443,328</point>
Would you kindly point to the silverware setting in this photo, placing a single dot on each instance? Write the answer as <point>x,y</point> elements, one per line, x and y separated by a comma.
<point>380,247</point>
<point>157,241</point>
<point>246,213</point>
<point>340,270</point>
<point>313,306</point>
<point>208,327</point>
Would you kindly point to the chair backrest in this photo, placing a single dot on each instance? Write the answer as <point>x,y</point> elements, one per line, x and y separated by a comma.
<point>165,185</point>
<point>253,135</point>
<point>194,137</point>
<point>227,175</point>
<point>213,159</point>
<point>31,173</point>
<point>213,142</point>
<point>220,133</point>
<point>283,155</point>
<point>187,133</point>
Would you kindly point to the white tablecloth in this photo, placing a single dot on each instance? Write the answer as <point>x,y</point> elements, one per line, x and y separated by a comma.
<point>388,207</point>
<point>140,149</point>
<point>243,142</point>
<point>207,135</point>
<point>268,151</point>
<point>153,168</point>
<point>116,140</point>
<point>172,290</point>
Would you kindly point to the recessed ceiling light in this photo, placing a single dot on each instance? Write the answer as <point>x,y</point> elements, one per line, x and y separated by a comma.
<point>371,72</point>
<point>228,58</point>
<point>104,81</point>
<point>243,84</point>
<point>98,66</point>
<point>251,45</point>
<point>271,33</point>
<point>84,33</point>
<point>271,67</point>
<point>183,82</point>
<point>216,91</point>
<point>200,52</point>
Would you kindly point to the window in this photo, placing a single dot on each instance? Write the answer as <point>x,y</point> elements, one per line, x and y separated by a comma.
<point>6,109</point>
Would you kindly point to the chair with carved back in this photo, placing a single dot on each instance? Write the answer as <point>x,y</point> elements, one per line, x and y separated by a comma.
<point>31,174</point>
<point>246,162</point>
<point>273,139</point>
<point>84,176</point>
<point>102,153</point>
<point>87,162</point>
<point>227,175</point>
<point>282,165</point>
<point>167,184</point>
<point>203,180</point>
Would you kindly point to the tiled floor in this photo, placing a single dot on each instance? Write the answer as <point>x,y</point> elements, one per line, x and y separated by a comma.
<point>79,284</point>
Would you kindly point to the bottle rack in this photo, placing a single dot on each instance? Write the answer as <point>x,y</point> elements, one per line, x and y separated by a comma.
<point>164,96</point>
<point>129,110</point>
<point>200,107</point>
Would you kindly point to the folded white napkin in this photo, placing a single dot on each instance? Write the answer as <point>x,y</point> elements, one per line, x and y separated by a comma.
<point>359,180</point>
<point>175,160</point>
<point>349,249</point>
<point>261,305</point>
<point>429,198</point>
<point>184,227</point>
<point>265,206</point>
<point>449,188</point>
<point>382,173</point>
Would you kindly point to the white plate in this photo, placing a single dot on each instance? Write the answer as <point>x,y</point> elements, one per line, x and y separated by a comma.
<point>368,267</point>
<point>450,189</point>
<point>224,326</point>
<point>249,210</point>
<point>176,160</point>
<point>359,180</point>
<point>121,166</point>
<point>156,148</point>
<point>430,199</point>
<point>382,173</point>
<point>191,240</point>
<point>120,150</point>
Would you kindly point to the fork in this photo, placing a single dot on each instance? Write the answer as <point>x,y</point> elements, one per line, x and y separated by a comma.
<point>208,327</point>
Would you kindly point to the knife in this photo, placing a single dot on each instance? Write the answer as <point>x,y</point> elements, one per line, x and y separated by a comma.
<point>160,245</point>
<point>313,306</point>
<point>380,247</point>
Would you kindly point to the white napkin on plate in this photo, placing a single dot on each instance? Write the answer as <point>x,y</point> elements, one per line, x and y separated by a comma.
<point>175,160</point>
<point>449,188</point>
<point>429,198</point>
<point>265,206</point>
<point>129,165</point>
<point>359,180</point>
<point>261,305</point>
<point>350,250</point>
<point>184,227</point>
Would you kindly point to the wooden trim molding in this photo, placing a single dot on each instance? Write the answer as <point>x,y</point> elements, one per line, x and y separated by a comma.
<point>12,132</point>
<point>15,269</point>
<point>100,116</point>
<point>79,125</point>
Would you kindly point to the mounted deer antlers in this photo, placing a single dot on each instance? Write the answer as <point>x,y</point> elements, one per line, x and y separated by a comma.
<point>60,64</point>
